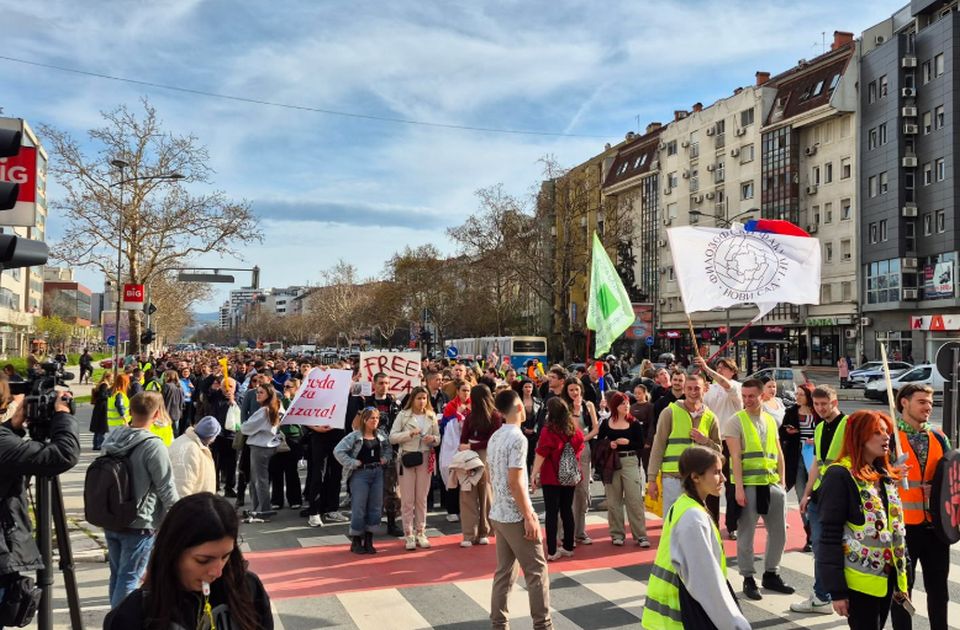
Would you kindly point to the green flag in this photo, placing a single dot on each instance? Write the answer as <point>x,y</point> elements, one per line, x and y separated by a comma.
<point>609,311</point>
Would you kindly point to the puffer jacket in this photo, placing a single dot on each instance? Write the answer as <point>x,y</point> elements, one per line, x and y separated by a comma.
<point>466,468</point>
<point>192,463</point>
<point>19,459</point>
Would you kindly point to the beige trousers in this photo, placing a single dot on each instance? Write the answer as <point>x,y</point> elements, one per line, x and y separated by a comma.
<point>475,506</point>
<point>414,487</point>
<point>513,551</point>
<point>625,489</point>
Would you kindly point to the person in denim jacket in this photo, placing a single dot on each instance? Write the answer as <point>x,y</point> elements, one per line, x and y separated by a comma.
<point>363,453</point>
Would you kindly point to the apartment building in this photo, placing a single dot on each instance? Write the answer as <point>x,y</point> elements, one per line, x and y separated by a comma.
<point>908,147</point>
<point>808,169</point>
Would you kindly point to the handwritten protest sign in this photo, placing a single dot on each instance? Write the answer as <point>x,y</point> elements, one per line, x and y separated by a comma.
<point>402,370</point>
<point>321,399</point>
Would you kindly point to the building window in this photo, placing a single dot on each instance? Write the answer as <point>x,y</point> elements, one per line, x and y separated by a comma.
<point>882,230</point>
<point>826,295</point>
<point>873,232</point>
<point>882,134</point>
<point>926,72</point>
<point>927,123</point>
<point>845,170</point>
<point>746,153</point>
<point>845,210</point>
<point>941,221</point>
<point>940,169</point>
<point>828,173</point>
<point>694,180</point>
<point>828,213</point>
<point>672,181</point>
<point>938,117</point>
<point>883,281</point>
<point>815,211</point>
<point>671,210</point>
<point>846,249</point>
<point>672,147</point>
<point>815,176</point>
<point>938,65</point>
<point>927,224</point>
<point>846,291</point>
<point>718,175</point>
<point>828,252</point>
<point>746,190</point>
<point>872,186</point>
<point>872,139</point>
<point>882,87</point>
<point>872,92</point>
<point>927,174</point>
<point>746,117</point>
<point>910,235</point>
<point>883,183</point>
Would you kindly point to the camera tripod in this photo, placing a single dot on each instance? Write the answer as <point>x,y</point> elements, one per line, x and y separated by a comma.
<point>49,502</point>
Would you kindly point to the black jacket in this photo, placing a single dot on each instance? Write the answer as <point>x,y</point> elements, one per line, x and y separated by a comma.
<point>20,459</point>
<point>791,444</point>
<point>98,419</point>
<point>130,613</point>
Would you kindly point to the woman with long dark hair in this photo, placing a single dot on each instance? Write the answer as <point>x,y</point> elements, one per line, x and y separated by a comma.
<point>688,586</point>
<point>196,574</point>
<point>478,426</point>
<point>531,406</point>
<point>262,438</point>
<point>625,435</point>
<point>584,416</point>
<point>862,553</point>
<point>98,419</point>
<point>797,431</point>
<point>557,474</point>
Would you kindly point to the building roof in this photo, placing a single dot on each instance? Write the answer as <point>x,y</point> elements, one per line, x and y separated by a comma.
<point>808,85</point>
<point>634,158</point>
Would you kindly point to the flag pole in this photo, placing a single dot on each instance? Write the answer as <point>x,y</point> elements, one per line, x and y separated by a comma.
<point>893,407</point>
<point>729,342</point>
<point>693,336</point>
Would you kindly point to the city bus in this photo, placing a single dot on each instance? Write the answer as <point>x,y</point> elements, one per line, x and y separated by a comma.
<point>518,350</point>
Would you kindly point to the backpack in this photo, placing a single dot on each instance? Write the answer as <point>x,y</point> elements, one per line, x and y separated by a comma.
<point>568,471</point>
<point>108,499</point>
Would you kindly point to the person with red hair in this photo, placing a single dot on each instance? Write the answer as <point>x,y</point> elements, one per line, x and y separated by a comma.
<point>624,435</point>
<point>862,555</point>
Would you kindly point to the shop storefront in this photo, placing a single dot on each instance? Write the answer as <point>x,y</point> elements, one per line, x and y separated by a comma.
<point>768,346</point>
<point>937,330</point>
<point>899,344</point>
<point>829,339</point>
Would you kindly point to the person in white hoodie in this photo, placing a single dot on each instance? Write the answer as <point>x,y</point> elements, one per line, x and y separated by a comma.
<point>192,461</point>
<point>262,438</point>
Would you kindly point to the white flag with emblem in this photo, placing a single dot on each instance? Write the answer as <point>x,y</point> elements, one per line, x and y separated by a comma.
<point>719,268</point>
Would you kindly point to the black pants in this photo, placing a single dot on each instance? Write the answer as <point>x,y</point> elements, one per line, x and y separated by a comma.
<point>868,612</point>
<point>924,546</point>
<point>225,460</point>
<point>186,417</point>
<point>243,474</point>
<point>284,472</point>
<point>559,499</point>
<point>323,490</point>
<point>451,500</point>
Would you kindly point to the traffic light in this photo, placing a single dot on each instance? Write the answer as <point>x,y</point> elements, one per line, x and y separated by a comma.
<point>147,337</point>
<point>426,336</point>
<point>16,251</point>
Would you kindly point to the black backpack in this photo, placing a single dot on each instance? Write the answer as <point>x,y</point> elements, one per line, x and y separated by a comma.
<point>108,499</point>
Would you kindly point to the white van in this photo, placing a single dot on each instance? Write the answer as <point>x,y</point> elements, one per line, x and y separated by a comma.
<point>924,374</point>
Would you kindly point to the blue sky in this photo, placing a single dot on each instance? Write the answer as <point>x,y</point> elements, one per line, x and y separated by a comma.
<point>328,187</point>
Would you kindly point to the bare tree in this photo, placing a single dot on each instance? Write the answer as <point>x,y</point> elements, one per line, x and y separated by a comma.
<point>159,223</point>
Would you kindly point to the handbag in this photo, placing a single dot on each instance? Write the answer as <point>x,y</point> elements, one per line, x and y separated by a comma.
<point>282,447</point>
<point>20,601</point>
<point>412,459</point>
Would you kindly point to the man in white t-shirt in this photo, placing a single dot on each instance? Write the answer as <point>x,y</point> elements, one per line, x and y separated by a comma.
<point>724,397</point>
<point>513,518</point>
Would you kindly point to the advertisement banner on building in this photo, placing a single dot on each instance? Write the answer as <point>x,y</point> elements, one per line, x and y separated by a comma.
<point>20,169</point>
<point>133,297</point>
<point>942,280</point>
<point>935,322</point>
<point>642,326</point>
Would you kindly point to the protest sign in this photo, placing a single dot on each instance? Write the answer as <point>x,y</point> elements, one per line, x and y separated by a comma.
<point>321,399</point>
<point>402,369</point>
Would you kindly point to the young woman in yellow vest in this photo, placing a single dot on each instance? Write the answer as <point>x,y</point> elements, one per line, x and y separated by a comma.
<point>688,585</point>
<point>862,552</point>
<point>924,447</point>
<point>118,405</point>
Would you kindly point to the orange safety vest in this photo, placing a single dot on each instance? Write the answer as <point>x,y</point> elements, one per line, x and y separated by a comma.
<point>915,510</point>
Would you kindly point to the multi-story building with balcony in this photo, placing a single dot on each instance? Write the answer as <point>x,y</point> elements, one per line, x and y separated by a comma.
<point>908,185</point>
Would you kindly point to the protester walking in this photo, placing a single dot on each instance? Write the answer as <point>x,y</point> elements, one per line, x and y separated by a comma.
<point>415,432</point>
<point>513,519</point>
<point>688,585</point>
<point>261,432</point>
<point>100,397</point>
<point>191,459</point>
<point>363,453</point>
<point>796,441</point>
<point>556,469</point>
<point>478,426</point>
<point>624,435</point>
<point>118,405</point>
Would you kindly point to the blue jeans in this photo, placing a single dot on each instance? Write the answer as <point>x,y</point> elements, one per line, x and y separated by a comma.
<point>128,553</point>
<point>813,518</point>
<point>366,499</point>
<point>98,439</point>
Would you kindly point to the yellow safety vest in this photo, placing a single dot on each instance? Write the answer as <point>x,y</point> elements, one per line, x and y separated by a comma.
<point>759,462</point>
<point>164,432</point>
<point>153,386</point>
<point>679,438</point>
<point>868,551</point>
<point>661,611</point>
<point>114,419</point>
<point>833,452</point>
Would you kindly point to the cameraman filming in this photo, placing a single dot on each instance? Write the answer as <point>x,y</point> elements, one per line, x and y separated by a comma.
<point>21,458</point>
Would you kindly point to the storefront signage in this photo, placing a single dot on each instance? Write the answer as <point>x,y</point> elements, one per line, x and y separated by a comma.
<point>816,322</point>
<point>673,334</point>
<point>643,322</point>
<point>935,322</point>
<point>773,329</point>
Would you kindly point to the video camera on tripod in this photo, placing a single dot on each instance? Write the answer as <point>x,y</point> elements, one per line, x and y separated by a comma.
<point>40,396</point>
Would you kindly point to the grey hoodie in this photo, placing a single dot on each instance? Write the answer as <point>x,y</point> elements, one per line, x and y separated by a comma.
<point>152,473</point>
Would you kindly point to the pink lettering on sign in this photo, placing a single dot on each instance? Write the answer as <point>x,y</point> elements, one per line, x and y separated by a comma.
<point>402,369</point>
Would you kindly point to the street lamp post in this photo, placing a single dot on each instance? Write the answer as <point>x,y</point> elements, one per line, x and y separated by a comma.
<point>122,165</point>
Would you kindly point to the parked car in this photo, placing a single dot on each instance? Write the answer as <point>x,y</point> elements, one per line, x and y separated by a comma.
<point>873,370</point>
<point>788,379</point>
<point>106,364</point>
<point>925,374</point>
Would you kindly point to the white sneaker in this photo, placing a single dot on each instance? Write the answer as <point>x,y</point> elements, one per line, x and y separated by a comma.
<point>586,540</point>
<point>483,541</point>
<point>336,517</point>
<point>466,543</point>
<point>812,605</point>
<point>644,542</point>
<point>563,552</point>
<point>554,557</point>
<point>411,543</point>
<point>422,541</point>
<point>618,542</point>
<point>453,518</point>
<point>315,521</point>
